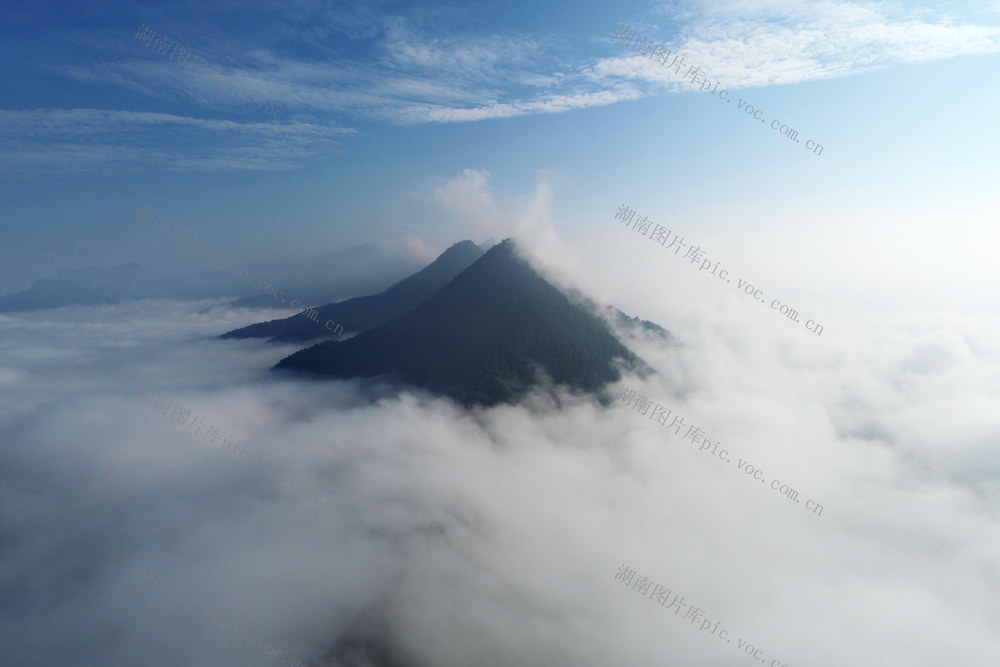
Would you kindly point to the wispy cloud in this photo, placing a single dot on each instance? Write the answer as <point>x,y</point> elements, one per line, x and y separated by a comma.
<point>96,139</point>
<point>399,72</point>
<point>774,42</point>
<point>461,79</point>
<point>550,104</point>
<point>414,77</point>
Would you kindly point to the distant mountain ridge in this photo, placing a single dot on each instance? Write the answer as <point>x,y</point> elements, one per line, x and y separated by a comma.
<point>364,269</point>
<point>92,286</point>
<point>362,313</point>
<point>484,338</point>
<point>348,272</point>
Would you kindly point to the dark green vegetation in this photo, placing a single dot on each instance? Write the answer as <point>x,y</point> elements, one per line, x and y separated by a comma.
<point>486,337</point>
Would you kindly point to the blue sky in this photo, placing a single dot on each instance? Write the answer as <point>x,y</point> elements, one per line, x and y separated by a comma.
<point>462,120</point>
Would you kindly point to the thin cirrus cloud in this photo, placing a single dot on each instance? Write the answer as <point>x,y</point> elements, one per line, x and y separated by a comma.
<point>472,57</point>
<point>96,139</point>
<point>743,44</point>
<point>416,79</point>
<point>409,77</point>
<point>481,75</point>
<point>549,104</point>
<point>747,44</point>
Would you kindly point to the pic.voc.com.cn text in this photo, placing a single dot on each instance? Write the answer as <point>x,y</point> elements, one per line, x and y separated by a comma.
<point>660,414</point>
<point>658,53</point>
<point>662,595</point>
<point>661,235</point>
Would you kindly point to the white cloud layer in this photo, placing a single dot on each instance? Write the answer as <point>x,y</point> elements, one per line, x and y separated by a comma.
<point>492,536</point>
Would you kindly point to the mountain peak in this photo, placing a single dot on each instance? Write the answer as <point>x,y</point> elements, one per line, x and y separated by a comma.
<point>486,337</point>
<point>461,246</point>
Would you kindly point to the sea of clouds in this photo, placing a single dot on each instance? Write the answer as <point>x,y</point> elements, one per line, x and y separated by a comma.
<point>492,537</point>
